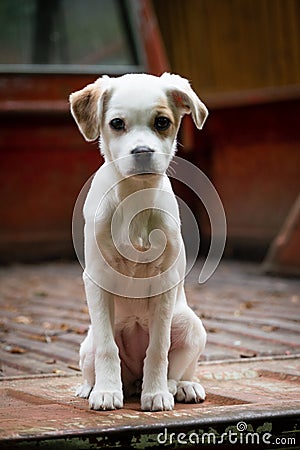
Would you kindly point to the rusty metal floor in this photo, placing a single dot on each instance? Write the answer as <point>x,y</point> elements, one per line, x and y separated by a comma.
<point>250,368</point>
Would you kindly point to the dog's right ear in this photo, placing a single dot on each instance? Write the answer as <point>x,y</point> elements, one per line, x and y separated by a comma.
<point>86,108</point>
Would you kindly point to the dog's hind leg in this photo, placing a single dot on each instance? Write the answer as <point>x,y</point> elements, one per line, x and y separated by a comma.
<point>188,338</point>
<point>87,365</point>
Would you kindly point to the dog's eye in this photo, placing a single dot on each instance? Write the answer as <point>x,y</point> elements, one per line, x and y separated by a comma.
<point>117,124</point>
<point>162,123</point>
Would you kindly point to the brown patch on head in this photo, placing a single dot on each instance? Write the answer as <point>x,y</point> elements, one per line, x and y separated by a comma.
<point>85,108</point>
<point>189,104</point>
<point>174,111</point>
<point>184,99</point>
<point>165,108</point>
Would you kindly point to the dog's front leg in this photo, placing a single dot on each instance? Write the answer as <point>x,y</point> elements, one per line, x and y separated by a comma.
<point>107,391</point>
<point>155,393</point>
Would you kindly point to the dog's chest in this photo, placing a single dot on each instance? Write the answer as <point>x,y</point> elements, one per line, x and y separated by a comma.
<point>140,228</point>
<point>140,247</point>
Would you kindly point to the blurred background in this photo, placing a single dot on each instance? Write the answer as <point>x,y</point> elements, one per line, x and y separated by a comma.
<point>242,58</point>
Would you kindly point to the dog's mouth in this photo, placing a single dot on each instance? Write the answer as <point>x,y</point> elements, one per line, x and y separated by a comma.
<point>143,170</point>
<point>142,159</point>
<point>142,151</point>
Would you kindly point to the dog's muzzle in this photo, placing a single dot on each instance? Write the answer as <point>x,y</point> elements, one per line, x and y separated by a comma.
<point>142,159</point>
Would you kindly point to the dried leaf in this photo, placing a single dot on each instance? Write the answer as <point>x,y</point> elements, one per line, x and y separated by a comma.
<point>248,354</point>
<point>3,326</point>
<point>50,361</point>
<point>204,315</point>
<point>212,330</point>
<point>23,319</point>
<point>37,337</point>
<point>51,326</point>
<point>247,305</point>
<point>58,371</point>
<point>41,293</point>
<point>77,368</point>
<point>14,349</point>
<point>269,328</point>
<point>80,330</point>
<point>48,339</point>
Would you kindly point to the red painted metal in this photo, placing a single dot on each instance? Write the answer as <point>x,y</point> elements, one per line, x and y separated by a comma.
<point>152,40</point>
<point>244,397</point>
<point>44,164</point>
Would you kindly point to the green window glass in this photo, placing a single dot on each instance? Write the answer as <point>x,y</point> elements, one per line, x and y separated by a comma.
<point>67,35</point>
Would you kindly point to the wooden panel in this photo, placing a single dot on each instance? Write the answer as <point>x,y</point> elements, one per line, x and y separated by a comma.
<point>243,59</point>
<point>283,256</point>
<point>254,164</point>
<point>233,44</point>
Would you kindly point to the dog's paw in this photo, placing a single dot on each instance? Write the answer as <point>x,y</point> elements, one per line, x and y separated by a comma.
<point>83,390</point>
<point>172,386</point>
<point>160,401</point>
<point>101,400</point>
<point>190,392</point>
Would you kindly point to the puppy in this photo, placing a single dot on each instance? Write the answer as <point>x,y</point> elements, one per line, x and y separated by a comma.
<point>143,336</point>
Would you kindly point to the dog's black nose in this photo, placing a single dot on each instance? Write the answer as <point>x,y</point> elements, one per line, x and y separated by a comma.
<point>141,150</point>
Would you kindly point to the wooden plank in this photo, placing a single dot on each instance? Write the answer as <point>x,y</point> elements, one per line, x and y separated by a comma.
<point>45,315</point>
<point>230,45</point>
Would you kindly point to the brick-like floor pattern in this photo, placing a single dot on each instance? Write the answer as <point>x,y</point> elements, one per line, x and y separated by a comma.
<point>44,316</point>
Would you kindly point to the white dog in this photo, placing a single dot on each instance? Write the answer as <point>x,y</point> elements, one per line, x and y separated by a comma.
<point>143,335</point>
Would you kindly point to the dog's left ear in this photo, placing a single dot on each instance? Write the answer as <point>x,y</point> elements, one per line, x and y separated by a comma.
<point>86,106</point>
<point>185,98</point>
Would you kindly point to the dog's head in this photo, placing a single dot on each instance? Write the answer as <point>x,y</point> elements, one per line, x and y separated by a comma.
<point>137,117</point>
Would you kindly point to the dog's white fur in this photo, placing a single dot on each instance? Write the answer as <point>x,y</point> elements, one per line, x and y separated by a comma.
<point>151,343</point>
